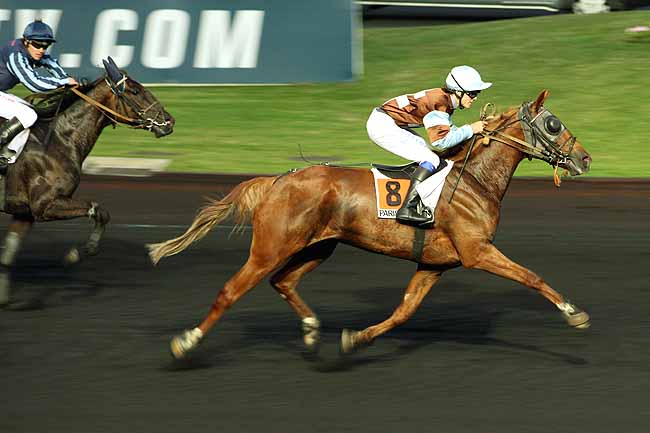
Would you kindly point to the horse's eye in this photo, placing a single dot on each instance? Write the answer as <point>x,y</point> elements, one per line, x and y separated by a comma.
<point>134,91</point>
<point>553,125</point>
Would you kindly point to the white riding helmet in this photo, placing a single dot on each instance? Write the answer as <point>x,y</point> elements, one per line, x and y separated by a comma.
<point>465,79</point>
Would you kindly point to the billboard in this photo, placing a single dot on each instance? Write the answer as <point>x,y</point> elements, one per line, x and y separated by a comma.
<point>199,41</point>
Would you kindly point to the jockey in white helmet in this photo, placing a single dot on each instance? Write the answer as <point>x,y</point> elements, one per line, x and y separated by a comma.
<point>389,127</point>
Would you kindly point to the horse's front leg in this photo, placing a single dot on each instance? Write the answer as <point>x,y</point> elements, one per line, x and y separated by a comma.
<point>417,289</point>
<point>18,228</point>
<point>490,259</point>
<point>65,208</point>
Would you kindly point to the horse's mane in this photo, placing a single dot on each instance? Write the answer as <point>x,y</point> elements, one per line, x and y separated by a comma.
<point>48,104</point>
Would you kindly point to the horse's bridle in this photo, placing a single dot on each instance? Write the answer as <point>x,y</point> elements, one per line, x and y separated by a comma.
<point>119,89</point>
<point>542,133</point>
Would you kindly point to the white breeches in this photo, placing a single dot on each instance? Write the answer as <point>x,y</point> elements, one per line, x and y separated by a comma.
<point>383,130</point>
<point>385,133</point>
<point>13,106</point>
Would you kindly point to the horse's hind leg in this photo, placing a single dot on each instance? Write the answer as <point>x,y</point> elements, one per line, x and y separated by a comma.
<point>286,280</point>
<point>417,289</point>
<point>259,265</point>
<point>65,208</point>
<point>18,228</point>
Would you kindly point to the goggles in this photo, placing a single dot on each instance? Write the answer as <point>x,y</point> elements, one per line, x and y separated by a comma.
<point>40,45</point>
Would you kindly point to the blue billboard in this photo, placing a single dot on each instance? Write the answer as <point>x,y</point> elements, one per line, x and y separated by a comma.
<point>199,41</point>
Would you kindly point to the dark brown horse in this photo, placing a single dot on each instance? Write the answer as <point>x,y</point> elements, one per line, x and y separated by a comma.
<point>299,218</point>
<point>40,184</point>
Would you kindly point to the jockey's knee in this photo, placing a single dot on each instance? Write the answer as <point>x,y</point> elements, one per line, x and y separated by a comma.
<point>26,115</point>
<point>432,159</point>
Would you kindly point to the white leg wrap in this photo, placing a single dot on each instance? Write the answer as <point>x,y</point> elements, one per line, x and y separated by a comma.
<point>566,307</point>
<point>184,343</point>
<point>12,244</point>
<point>310,331</point>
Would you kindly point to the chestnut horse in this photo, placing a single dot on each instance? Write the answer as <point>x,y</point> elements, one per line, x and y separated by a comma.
<point>299,218</point>
<point>40,184</point>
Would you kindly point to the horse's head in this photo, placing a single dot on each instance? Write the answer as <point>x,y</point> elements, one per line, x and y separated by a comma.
<point>555,143</point>
<point>138,105</point>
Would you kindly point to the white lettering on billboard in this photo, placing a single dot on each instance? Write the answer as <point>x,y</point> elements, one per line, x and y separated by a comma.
<point>107,27</point>
<point>26,16</point>
<point>5,15</point>
<point>222,45</point>
<point>165,39</point>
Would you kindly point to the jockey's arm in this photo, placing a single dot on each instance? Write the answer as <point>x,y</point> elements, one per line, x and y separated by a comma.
<point>20,66</point>
<point>442,133</point>
<point>53,66</point>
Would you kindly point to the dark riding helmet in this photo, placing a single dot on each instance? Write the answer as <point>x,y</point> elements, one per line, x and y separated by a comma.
<point>39,31</point>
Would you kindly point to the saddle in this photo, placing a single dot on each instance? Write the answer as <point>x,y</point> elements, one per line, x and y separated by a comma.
<point>396,171</point>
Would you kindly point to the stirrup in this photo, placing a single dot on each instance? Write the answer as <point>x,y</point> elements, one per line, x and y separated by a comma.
<point>418,215</point>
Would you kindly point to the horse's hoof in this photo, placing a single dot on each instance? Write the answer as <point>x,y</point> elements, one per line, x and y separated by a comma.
<point>311,334</point>
<point>574,316</point>
<point>182,344</point>
<point>348,344</point>
<point>73,257</point>
<point>579,320</point>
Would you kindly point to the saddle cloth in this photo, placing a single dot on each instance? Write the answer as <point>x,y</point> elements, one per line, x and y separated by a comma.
<point>391,188</point>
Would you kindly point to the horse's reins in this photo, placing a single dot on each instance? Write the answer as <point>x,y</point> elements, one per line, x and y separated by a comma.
<point>483,116</point>
<point>101,107</point>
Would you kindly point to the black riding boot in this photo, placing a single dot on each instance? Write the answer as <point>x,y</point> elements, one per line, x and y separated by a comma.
<point>8,131</point>
<point>408,213</point>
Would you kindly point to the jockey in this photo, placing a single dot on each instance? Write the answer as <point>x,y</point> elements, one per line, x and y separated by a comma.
<point>389,127</point>
<point>19,60</point>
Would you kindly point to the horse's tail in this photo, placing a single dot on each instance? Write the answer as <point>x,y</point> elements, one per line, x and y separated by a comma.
<point>239,204</point>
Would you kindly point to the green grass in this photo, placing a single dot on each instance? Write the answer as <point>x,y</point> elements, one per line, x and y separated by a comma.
<point>598,78</point>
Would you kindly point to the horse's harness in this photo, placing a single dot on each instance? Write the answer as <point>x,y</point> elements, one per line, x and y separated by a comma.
<point>143,121</point>
<point>542,133</point>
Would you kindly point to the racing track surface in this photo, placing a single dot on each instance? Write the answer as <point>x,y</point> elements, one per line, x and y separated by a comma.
<point>482,354</point>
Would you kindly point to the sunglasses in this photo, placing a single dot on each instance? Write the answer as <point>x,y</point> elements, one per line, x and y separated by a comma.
<point>473,94</point>
<point>40,45</point>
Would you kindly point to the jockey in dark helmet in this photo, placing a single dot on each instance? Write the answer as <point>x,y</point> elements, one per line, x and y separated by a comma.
<point>20,60</point>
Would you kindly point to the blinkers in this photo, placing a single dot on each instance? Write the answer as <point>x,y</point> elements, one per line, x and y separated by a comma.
<point>544,131</point>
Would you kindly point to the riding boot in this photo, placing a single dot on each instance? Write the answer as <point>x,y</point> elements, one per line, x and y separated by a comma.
<point>8,132</point>
<point>408,213</point>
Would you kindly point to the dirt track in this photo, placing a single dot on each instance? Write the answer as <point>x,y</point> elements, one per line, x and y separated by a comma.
<point>482,354</point>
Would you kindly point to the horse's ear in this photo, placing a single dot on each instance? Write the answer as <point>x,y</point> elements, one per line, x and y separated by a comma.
<point>112,70</point>
<point>539,102</point>
<point>112,62</point>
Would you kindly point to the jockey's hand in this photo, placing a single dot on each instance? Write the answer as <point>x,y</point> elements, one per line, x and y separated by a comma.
<point>72,82</point>
<point>478,126</point>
